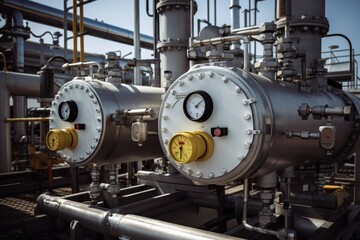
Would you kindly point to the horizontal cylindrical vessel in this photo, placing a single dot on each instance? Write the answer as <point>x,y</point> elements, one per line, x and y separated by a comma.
<point>97,111</point>
<point>257,125</point>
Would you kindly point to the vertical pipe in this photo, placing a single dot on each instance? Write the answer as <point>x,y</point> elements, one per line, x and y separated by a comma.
<point>74,28</point>
<point>191,62</point>
<point>246,55</point>
<point>81,29</point>
<point>65,29</point>
<point>215,12</point>
<point>208,12</point>
<point>156,39</point>
<point>137,54</point>
<point>5,133</point>
<point>235,19</point>
<point>19,102</point>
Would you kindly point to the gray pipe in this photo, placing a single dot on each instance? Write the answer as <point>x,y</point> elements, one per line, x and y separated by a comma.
<point>137,54</point>
<point>235,19</point>
<point>5,146</point>
<point>54,17</point>
<point>118,225</point>
<point>19,102</point>
<point>15,84</point>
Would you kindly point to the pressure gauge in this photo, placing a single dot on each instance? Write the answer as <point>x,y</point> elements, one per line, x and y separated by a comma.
<point>52,140</point>
<point>185,147</point>
<point>59,139</point>
<point>198,106</point>
<point>68,111</point>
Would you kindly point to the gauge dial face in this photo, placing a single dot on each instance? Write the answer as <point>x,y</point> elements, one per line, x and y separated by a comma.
<point>68,111</point>
<point>182,148</point>
<point>198,106</point>
<point>52,140</point>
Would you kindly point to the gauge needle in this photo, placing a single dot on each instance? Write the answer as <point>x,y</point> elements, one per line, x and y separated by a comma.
<point>67,109</point>
<point>197,105</point>
<point>181,148</point>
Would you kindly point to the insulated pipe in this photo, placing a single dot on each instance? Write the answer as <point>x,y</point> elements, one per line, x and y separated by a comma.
<point>120,226</point>
<point>15,84</point>
<point>43,14</point>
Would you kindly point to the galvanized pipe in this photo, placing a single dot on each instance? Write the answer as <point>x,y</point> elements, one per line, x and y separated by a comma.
<point>43,14</point>
<point>118,225</point>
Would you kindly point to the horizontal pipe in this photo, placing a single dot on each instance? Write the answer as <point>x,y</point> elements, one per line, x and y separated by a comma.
<point>30,119</point>
<point>118,225</point>
<point>21,83</point>
<point>43,14</point>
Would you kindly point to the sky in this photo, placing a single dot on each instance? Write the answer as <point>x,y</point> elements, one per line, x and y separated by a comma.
<point>343,17</point>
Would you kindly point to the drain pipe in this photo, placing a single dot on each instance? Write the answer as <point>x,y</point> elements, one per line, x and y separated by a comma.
<point>279,234</point>
<point>118,225</point>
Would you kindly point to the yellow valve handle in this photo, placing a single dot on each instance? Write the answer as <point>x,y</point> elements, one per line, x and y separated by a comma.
<point>185,147</point>
<point>59,139</point>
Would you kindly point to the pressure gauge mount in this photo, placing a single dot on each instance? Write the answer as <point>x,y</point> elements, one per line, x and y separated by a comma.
<point>59,139</point>
<point>185,147</point>
<point>198,106</point>
<point>68,111</point>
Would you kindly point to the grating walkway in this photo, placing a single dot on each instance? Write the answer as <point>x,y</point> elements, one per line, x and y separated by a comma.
<point>15,208</point>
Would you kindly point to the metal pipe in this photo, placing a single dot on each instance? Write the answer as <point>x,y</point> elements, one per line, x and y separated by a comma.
<point>43,14</point>
<point>235,19</point>
<point>252,30</point>
<point>81,64</point>
<point>227,39</point>
<point>137,54</point>
<point>65,23</point>
<point>74,30</point>
<point>215,8</point>
<point>191,39</point>
<point>81,28</point>
<point>280,234</point>
<point>5,132</point>
<point>118,225</point>
<point>19,102</point>
<point>244,221</point>
<point>30,119</point>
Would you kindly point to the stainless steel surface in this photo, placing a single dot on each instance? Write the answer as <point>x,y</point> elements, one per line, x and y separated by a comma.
<point>106,139</point>
<point>257,112</point>
<point>121,226</point>
<point>137,52</point>
<point>173,41</point>
<point>54,17</point>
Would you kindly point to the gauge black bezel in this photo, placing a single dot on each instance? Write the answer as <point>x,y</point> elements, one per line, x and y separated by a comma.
<point>73,111</point>
<point>208,106</point>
